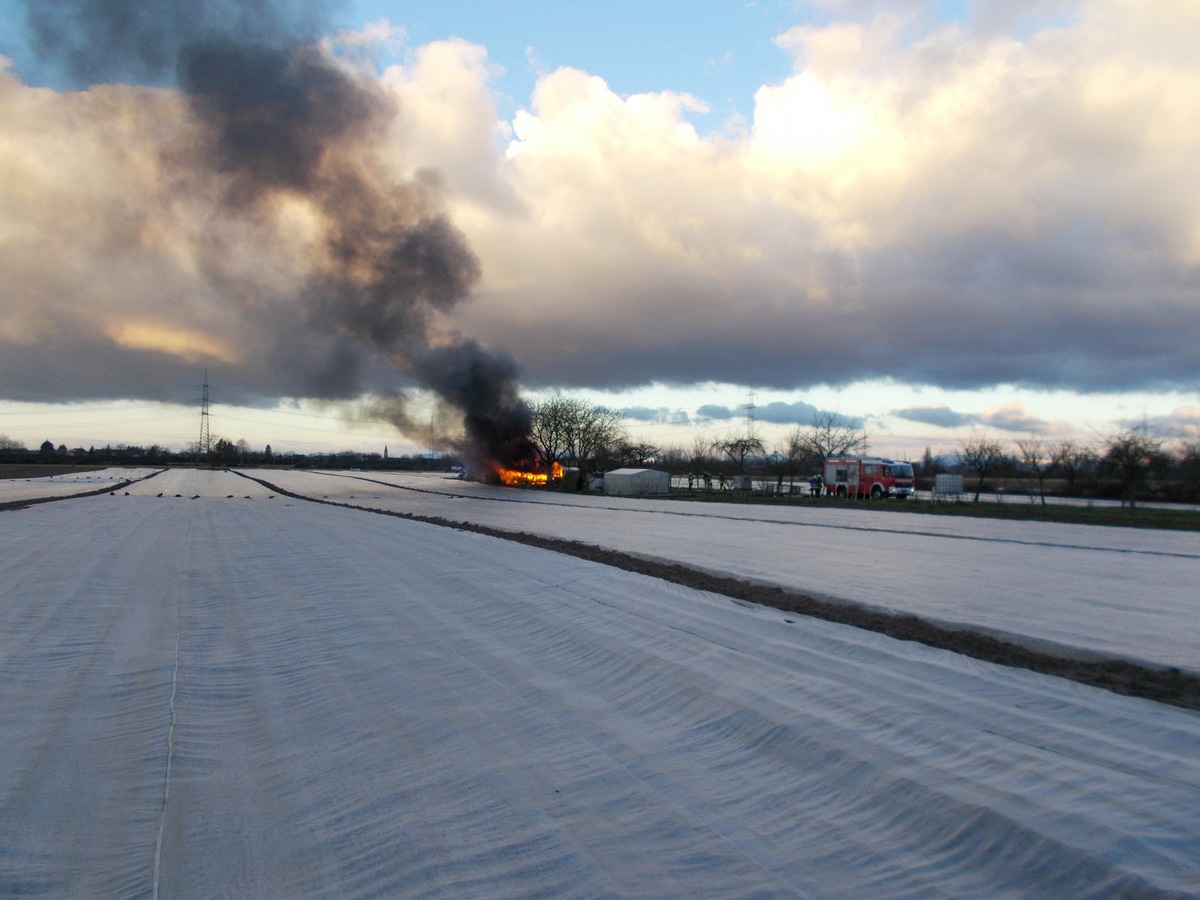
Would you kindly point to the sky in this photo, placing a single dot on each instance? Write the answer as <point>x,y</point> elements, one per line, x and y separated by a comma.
<point>935,219</point>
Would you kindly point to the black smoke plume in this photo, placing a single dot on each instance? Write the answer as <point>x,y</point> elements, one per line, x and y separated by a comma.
<point>483,385</point>
<point>278,118</point>
<point>142,40</point>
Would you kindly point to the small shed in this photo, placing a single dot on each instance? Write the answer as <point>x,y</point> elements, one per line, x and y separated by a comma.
<point>636,482</point>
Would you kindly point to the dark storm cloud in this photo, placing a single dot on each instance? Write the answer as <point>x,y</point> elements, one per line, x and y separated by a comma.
<point>717,413</point>
<point>56,370</point>
<point>780,413</point>
<point>641,414</point>
<point>1013,418</point>
<point>912,319</point>
<point>659,415</point>
<point>941,416</point>
<point>777,412</point>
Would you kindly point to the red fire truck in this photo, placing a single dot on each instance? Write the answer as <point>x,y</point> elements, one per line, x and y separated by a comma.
<point>868,476</point>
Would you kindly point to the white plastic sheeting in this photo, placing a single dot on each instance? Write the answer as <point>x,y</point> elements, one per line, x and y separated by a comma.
<point>245,695</point>
<point>1124,592</point>
<point>636,482</point>
<point>69,484</point>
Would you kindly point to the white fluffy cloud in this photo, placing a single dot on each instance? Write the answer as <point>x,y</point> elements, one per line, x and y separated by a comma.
<point>964,208</point>
<point>958,207</point>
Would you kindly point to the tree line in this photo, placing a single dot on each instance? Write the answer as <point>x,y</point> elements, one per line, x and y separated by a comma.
<point>223,453</point>
<point>1132,465</point>
<point>585,439</point>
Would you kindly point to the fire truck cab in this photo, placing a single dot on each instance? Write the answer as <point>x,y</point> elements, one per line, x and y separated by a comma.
<point>868,476</point>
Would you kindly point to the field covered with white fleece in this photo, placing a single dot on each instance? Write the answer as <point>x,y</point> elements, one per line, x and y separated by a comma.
<point>67,485</point>
<point>1068,589</point>
<point>224,692</point>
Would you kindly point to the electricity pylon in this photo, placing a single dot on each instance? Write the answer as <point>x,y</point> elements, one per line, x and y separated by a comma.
<point>205,446</point>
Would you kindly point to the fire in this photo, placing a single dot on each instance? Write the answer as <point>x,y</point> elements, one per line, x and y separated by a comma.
<point>516,477</point>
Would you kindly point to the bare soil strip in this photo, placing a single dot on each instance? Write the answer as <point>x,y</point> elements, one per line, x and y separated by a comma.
<point>1165,685</point>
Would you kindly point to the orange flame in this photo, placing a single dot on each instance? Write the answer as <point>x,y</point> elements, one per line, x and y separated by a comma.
<point>515,477</point>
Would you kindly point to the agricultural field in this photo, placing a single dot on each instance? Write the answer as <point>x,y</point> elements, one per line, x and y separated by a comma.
<point>213,685</point>
<point>25,483</point>
<point>1075,590</point>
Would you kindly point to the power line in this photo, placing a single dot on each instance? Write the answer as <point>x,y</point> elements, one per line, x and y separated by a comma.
<point>104,423</point>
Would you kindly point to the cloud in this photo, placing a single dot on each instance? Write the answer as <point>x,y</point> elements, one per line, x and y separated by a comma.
<point>658,415</point>
<point>1007,417</point>
<point>778,412</point>
<point>148,233</point>
<point>116,39</point>
<point>941,416</point>
<point>963,209</point>
<point>713,412</point>
<point>958,207</point>
<point>1183,422</point>
<point>642,414</point>
<point>1013,417</point>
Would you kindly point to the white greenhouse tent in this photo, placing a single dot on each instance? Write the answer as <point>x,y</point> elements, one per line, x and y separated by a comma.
<point>636,482</point>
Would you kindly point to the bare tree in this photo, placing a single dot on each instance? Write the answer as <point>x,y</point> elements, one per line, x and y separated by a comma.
<point>637,453</point>
<point>1039,459</point>
<point>1131,456</point>
<point>1189,467</point>
<point>551,430</point>
<point>567,429</point>
<point>701,456</point>
<point>674,459</point>
<point>832,434</point>
<point>594,431</point>
<point>793,454</point>
<point>1073,460</point>
<point>738,448</point>
<point>930,464</point>
<point>981,454</point>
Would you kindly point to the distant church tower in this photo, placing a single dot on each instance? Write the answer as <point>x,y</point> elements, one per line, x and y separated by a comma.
<point>385,451</point>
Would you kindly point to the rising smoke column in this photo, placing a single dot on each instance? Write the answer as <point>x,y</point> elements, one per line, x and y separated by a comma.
<point>278,121</point>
